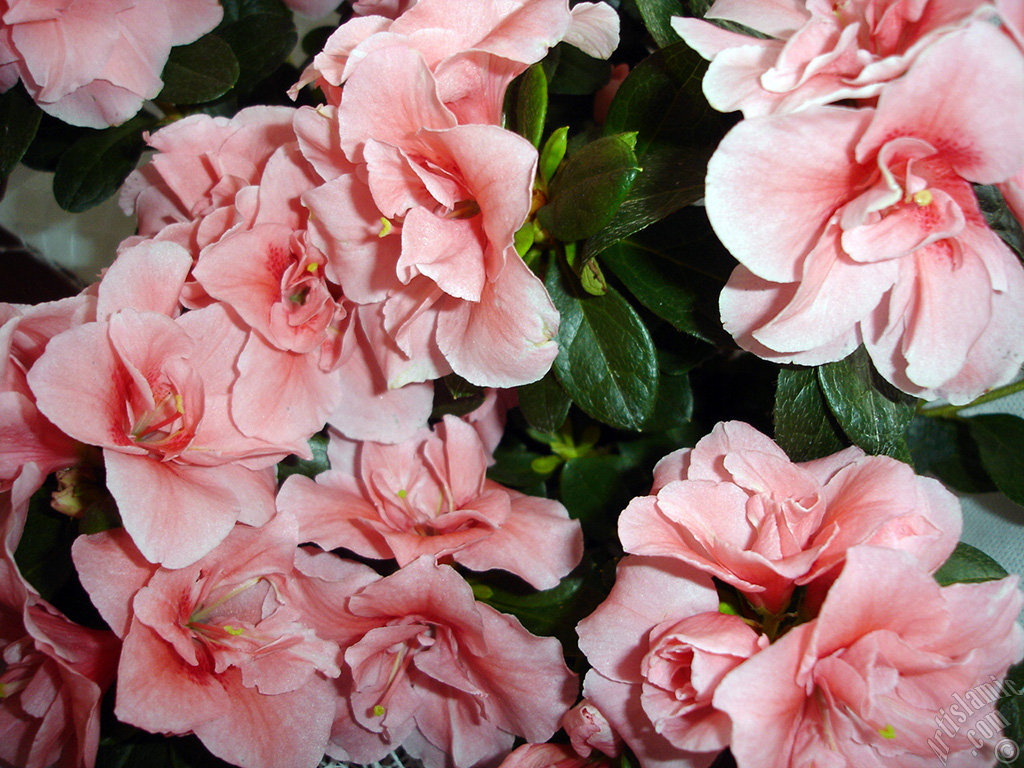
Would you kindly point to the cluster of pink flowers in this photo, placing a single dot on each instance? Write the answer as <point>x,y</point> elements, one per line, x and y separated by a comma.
<point>858,225</point>
<point>296,268</point>
<point>829,642</point>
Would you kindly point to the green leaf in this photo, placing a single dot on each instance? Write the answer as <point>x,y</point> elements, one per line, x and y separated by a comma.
<point>553,153</point>
<point>589,188</point>
<point>52,140</point>
<point>544,403</point>
<point>592,488</point>
<point>293,465</point>
<point>999,217</point>
<point>872,413</point>
<point>261,42</point>
<point>804,427</point>
<point>578,74</point>
<point>237,9</point>
<point>455,396</point>
<point>968,565</point>
<point>1000,439</point>
<point>606,359</point>
<point>199,72</point>
<point>674,406</point>
<point>44,551</point>
<point>513,466</point>
<point>94,167</point>
<point>662,101</point>
<point>945,448</point>
<point>673,177</point>
<point>657,14</point>
<point>19,121</point>
<point>526,104</point>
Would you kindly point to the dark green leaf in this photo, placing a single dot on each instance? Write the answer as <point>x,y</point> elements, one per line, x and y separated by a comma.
<point>578,74</point>
<point>52,140</point>
<point>589,188</point>
<point>657,15</point>
<point>673,177</point>
<point>999,217</point>
<point>261,42</point>
<point>662,101</point>
<point>526,104</point>
<point>313,41</point>
<point>606,359</point>
<point>1011,707</point>
<point>94,167</point>
<point>945,448</point>
<point>804,427</point>
<point>674,406</point>
<point>19,121</point>
<point>513,466</point>
<point>593,490</point>
<point>968,565</point>
<point>44,552</point>
<point>237,9</point>
<point>199,72</point>
<point>544,403</point>
<point>455,396</point>
<point>1000,439</point>
<point>872,413</point>
<point>293,465</point>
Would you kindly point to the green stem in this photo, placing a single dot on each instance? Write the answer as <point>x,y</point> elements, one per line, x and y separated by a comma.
<point>951,411</point>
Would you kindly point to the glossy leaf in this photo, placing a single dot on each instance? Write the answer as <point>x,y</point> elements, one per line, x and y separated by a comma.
<point>44,550</point>
<point>589,188</point>
<point>93,168</point>
<point>944,448</point>
<point>1000,439</point>
<point>872,413</point>
<point>553,153</point>
<point>293,465</point>
<point>594,491</point>
<point>968,565</point>
<point>199,72</point>
<point>237,9</point>
<point>526,104</point>
<point>674,406</point>
<point>19,121</point>
<point>999,217</point>
<point>606,359</point>
<point>576,73</point>
<point>804,426</point>
<point>657,14</point>
<point>261,42</point>
<point>544,403</point>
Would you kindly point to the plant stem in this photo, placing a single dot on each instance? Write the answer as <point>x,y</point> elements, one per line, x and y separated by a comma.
<point>951,411</point>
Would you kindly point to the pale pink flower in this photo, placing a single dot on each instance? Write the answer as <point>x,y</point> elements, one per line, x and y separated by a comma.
<point>450,680</point>
<point>391,9</point>
<point>429,495</point>
<point>419,213</point>
<point>658,648</point>
<point>588,729</point>
<point>736,507</point>
<point>53,672</point>
<point>873,234</point>
<point>93,62</point>
<point>544,756</point>
<point>868,682</point>
<point>817,51</point>
<point>25,434</point>
<point>154,393</point>
<point>225,648</point>
<point>312,8</point>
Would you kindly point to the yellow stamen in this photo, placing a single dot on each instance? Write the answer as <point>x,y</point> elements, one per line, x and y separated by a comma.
<point>888,732</point>
<point>179,404</point>
<point>378,710</point>
<point>236,631</point>
<point>385,227</point>
<point>312,267</point>
<point>402,493</point>
<point>923,197</point>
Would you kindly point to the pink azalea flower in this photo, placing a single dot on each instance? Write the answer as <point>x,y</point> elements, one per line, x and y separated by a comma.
<point>737,507</point>
<point>544,756</point>
<point>874,233</point>
<point>429,496</point>
<point>153,392</point>
<point>868,681</point>
<point>25,434</point>
<point>588,729</point>
<point>224,648</point>
<point>816,52</point>
<point>419,212</point>
<point>659,648</point>
<point>52,671</point>
<point>93,62</point>
<point>451,680</point>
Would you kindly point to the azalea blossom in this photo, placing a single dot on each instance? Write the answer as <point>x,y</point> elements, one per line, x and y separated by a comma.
<point>94,63</point>
<point>816,52</point>
<point>868,680</point>
<point>449,679</point>
<point>429,496</point>
<point>588,729</point>
<point>873,234</point>
<point>226,647</point>
<point>53,672</point>
<point>736,507</point>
